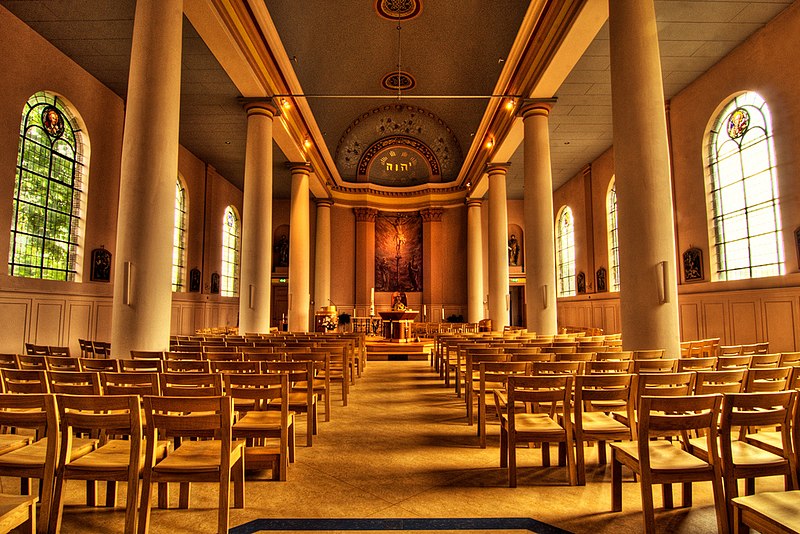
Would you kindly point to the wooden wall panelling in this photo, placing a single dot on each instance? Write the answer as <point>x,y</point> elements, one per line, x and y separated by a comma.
<point>16,320</point>
<point>780,324</point>
<point>175,319</point>
<point>611,318</point>
<point>746,321</point>
<point>47,326</point>
<point>102,323</point>
<point>690,321</point>
<point>79,324</point>
<point>716,321</point>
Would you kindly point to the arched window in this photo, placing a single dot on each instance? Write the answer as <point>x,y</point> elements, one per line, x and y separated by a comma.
<point>48,189</point>
<point>613,239</point>
<point>565,253</point>
<point>231,245</point>
<point>745,218</point>
<point>179,238</point>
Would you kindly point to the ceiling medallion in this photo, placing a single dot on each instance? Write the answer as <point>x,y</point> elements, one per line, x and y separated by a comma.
<point>398,81</point>
<point>398,9</point>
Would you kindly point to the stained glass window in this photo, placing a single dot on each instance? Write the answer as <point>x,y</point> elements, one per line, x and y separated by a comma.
<point>745,216</point>
<point>179,239</point>
<point>565,253</point>
<point>613,240</point>
<point>231,246</point>
<point>50,178</point>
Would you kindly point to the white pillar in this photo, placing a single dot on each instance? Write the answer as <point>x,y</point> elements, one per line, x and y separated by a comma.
<point>648,282</point>
<point>322,256</point>
<point>540,260</point>
<point>474,262</point>
<point>299,249</point>
<point>498,246</point>
<point>255,276</point>
<point>142,306</point>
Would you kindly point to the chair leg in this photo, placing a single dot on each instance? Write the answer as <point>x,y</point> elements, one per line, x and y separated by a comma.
<point>111,493</point>
<point>580,462</point>
<point>666,495</point>
<point>163,495</point>
<point>292,441</point>
<point>686,498</point>
<point>58,505</point>
<point>721,505</point>
<point>224,500</point>
<point>184,494</point>
<point>91,493</point>
<point>512,462</point>
<point>503,447</point>
<point>545,454</point>
<point>616,483</point>
<point>131,504</point>
<point>237,472</point>
<point>144,508</point>
<point>571,467</point>
<point>647,507</point>
<point>601,453</point>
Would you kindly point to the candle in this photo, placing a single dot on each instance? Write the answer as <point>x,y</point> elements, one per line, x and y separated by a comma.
<point>372,297</point>
<point>442,313</point>
<point>424,312</point>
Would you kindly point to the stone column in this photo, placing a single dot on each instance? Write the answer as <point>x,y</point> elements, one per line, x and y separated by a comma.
<point>432,276</point>
<point>322,256</point>
<point>498,246</point>
<point>365,258</point>
<point>474,261</point>
<point>648,291</point>
<point>540,257</point>
<point>255,278</point>
<point>299,249</point>
<point>142,306</point>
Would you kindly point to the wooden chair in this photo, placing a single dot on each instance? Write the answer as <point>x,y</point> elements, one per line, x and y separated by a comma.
<point>38,460</point>
<point>734,362</point>
<point>32,349</point>
<point>18,511</point>
<point>698,363</point>
<point>191,384</point>
<point>649,354</point>
<point>661,462</point>
<point>301,399</point>
<point>765,360</point>
<point>111,417</point>
<point>789,359</point>
<point>8,361</point>
<point>101,349</point>
<point>658,385</point>
<point>131,383</point>
<point>86,348</point>
<point>214,460</point>
<point>62,363</point>
<point>472,380</point>
<point>775,512</point>
<point>612,355</point>
<point>575,357</point>
<point>24,381</point>
<point>222,356</point>
<point>141,366</point>
<point>74,382</point>
<point>181,355</point>
<point>53,350</point>
<point>261,423</point>
<point>493,376</point>
<point>741,459</point>
<point>592,394</point>
<point>767,379</point>
<point>556,368</point>
<point>729,350</point>
<point>608,366</point>
<point>707,382</point>
<point>535,426</point>
<point>338,370</point>
<point>110,365</point>
<point>320,383</point>
<point>659,365</point>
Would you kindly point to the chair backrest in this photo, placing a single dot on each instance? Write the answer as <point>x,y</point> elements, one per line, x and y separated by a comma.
<point>147,355</point>
<point>188,417</point>
<point>264,389</point>
<point>603,387</point>
<point>96,364</point>
<point>218,348</point>
<point>575,357</point>
<point>524,350</point>
<point>74,382</point>
<point>659,365</point>
<point>789,358</point>
<point>31,361</point>
<point>557,368</point>
<point>664,385</point>
<point>753,410</point>
<point>222,356</point>
<point>131,383</point>
<point>264,356</point>
<point>700,363</point>
<point>767,379</point>
<point>191,384</point>
<point>756,348</point>
<point>561,349</point>
<point>62,363</point>
<point>183,355</point>
<point>495,374</point>
<point>187,366</point>
<point>86,347</point>
<point>31,349</point>
<point>145,366</point>
<point>765,360</point>
<point>58,351</point>
<point>734,362</point>
<point>613,355</point>
<point>608,366</point>
<point>246,367</point>
<point>534,357</point>
<point>731,381</point>
<point>729,350</point>
<point>102,348</point>
<point>534,390</point>
<point>24,381</point>
<point>649,354</point>
<point>8,361</point>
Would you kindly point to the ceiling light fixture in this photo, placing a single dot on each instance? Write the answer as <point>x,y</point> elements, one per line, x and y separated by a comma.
<point>307,143</point>
<point>510,103</point>
<point>285,104</point>
<point>490,143</point>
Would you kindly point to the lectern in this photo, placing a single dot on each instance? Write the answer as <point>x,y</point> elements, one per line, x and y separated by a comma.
<point>397,325</point>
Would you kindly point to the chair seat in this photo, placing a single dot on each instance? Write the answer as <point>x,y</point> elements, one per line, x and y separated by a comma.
<point>261,421</point>
<point>745,454</point>
<point>115,454</point>
<point>35,453</point>
<point>298,398</point>
<point>199,456</point>
<point>539,423</point>
<point>664,456</point>
<point>781,508</point>
<point>12,442</point>
<point>598,422</point>
<point>771,440</point>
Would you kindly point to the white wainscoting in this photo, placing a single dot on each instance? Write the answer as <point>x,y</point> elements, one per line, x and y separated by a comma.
<point>735,316</point>
<point>61,319</point>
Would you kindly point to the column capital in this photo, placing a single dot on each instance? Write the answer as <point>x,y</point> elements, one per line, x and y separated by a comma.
<point>540,107</point>
<point>474,202</point>
<point>365,214</point>
<point>323,202</point>
<point>299,167</point>
<point>497,168</point>
<point>431,214</point>
<point>260,106</point>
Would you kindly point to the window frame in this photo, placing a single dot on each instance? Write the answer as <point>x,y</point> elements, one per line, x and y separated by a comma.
<point>179,237</point>
<point>231,253</point>
<point>612,226</point>
<point>565,253</point>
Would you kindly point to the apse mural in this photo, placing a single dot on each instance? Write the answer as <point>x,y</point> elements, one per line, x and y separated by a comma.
<point>398,252</point>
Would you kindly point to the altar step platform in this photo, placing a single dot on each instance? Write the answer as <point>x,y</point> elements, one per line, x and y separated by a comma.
<point>381,349</point>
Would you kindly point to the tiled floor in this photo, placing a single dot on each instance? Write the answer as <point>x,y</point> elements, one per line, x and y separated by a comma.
<point>402,449</point>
